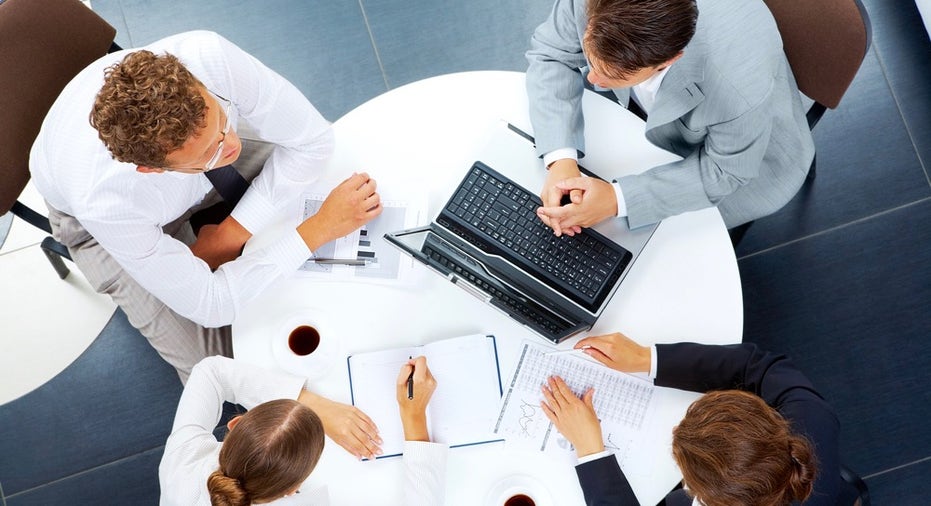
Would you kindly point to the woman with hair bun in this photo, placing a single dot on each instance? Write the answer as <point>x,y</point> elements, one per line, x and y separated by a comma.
<point>271,450</point>
<point>760,436</point>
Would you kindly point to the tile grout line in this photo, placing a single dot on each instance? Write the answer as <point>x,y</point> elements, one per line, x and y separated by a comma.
<point>897,468</point>
<point>126,24</point>
<point>898,107</point>
<point>21,248</point>
<point>368,28</point>
<point>85,471</point>
<point>834,228</point>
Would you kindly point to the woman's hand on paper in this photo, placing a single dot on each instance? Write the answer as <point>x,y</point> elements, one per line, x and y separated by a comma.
<point>413,407</point>
<point>617,351</point>
<point>346,425</point>
<point>575,418</point>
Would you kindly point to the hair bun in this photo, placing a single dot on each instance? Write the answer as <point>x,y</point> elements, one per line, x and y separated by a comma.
<point>226,491</point>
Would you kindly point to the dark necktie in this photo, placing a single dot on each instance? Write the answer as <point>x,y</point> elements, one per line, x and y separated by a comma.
<point>231,186</point>
<point>229,183</point>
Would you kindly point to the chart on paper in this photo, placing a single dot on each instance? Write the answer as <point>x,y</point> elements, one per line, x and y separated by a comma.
<point>382,262</point>
<point>623,402</point>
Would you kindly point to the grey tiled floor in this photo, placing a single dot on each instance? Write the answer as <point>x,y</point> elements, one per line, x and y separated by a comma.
<point>840,278</point>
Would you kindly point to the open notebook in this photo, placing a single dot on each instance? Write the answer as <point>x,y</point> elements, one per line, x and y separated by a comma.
<point>464,406</point>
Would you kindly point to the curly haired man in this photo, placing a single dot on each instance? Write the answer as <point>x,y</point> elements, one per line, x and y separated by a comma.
<point>122,187</point>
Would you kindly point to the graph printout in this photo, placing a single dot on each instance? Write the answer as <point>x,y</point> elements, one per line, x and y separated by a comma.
<point>623,402</point>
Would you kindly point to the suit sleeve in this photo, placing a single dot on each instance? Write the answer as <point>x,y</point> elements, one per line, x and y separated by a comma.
<point>773,377</point>
<point>554,86</point>
<point>603,483</point>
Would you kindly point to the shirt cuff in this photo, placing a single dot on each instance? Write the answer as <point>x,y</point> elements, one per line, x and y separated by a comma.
<point>559,154</point>
<point>653,362</point>
<point>621,203</point>
<point>593,456</point>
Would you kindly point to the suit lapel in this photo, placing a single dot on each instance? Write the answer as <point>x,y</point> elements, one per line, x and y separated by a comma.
<point>679,92</point>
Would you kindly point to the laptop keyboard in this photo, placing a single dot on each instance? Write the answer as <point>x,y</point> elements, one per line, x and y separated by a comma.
<point>503,215</point>
<point>543,322</point>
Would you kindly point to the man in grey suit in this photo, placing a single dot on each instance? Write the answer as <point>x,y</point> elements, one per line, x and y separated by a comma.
<point>714,80</point>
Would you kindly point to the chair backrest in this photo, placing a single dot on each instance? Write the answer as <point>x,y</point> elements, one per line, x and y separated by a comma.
<point>825,42</point>
<point>43,45</point>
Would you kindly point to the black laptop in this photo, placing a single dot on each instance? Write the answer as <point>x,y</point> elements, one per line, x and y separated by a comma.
<point>489,241</point>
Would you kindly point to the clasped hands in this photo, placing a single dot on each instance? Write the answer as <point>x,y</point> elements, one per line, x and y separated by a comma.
<point>591,200</point>
<point>575,417</point>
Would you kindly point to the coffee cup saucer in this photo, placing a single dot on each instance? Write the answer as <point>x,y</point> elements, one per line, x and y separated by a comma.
<point>316,364</point>
<point>515,484</point>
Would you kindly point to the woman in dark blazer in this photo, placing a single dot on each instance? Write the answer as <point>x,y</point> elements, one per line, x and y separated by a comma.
<point>761,436</point>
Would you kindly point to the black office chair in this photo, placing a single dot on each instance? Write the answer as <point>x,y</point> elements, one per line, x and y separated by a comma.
<point>43,45</point>
<point>855,491</point>
<point>825,43</point>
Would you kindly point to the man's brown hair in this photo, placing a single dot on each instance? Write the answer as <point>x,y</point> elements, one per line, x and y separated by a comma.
<point>269,453</point>
<point>735,450</point>
<point>149,106</point>
<point>629,35</point>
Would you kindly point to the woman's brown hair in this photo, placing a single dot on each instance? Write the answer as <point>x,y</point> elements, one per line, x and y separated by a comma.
<point>269,453</point>
<point>735,450</point>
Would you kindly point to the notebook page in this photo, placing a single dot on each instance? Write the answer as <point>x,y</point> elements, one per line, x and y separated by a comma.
<point>372,379</point>
<point>465,404</point>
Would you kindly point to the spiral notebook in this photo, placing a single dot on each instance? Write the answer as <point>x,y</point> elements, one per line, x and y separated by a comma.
<point>464,407</point>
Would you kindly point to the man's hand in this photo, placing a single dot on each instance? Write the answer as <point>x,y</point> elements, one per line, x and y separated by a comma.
<point>349,206</point>
<point>597,201</point>
<point>218,244</point>
<point>346,425</point>
<point>574,418</point>
<point>562,169</point>
<point>414,411</point>
<point>617,351</point>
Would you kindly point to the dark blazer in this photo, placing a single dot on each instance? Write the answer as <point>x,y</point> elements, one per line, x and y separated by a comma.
<point>701,368</point>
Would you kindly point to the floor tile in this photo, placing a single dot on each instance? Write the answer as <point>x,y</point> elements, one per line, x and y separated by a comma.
<point>909,485</point>
<point>47,322</point>
<point>422,38</point>
<point>866,164</point>
<point>323,48</point>
<point>112,12</point>
<point>133,480</point>
<point>116,400</point>
<point>851,308</point>
<point>5,221</point>
<point>904,49</point>
<point>23,234</point>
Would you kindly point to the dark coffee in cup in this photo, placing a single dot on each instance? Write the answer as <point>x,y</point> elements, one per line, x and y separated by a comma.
<point>519,500</point>
<point>304,340</point>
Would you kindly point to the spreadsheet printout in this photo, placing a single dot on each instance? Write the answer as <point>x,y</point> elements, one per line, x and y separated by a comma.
<point>623,402</point>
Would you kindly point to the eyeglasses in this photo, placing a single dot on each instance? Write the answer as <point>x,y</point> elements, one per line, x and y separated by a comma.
<point>226,129</point>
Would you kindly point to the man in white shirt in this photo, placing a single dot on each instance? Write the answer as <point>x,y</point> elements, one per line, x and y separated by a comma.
<point>718,91</point>
<point>122,187</point>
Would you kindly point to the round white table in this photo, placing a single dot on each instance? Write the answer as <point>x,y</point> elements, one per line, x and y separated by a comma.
<point>421,138</point>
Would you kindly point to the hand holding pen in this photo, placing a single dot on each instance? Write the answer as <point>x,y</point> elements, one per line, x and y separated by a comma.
<point>414,387</point>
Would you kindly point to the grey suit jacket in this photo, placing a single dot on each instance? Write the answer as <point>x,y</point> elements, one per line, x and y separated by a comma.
<point>730,107</point>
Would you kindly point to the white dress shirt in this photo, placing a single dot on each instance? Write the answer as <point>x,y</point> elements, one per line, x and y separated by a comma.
<point>645,96</point>
<point>124,210</point>
<point>192,452</point>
